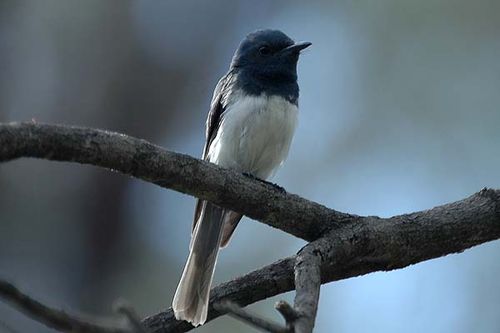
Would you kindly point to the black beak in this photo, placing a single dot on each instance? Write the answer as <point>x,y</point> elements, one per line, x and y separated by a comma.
<point>297,47</point>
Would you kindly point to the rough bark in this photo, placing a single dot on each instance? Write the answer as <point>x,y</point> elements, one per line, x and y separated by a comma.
<point>307,283</point>
<point>141,159</point>
<point>372,244</point>
<point>341,245</point>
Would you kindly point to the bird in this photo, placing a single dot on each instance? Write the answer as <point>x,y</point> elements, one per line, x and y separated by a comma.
<point>249,128</point>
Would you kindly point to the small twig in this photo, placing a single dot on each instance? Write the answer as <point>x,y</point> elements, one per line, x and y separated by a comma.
<point>56,319</point>
<point>237,312</point>
<point>288,312</point>
<point>307,285</point>
<point>124,308</point>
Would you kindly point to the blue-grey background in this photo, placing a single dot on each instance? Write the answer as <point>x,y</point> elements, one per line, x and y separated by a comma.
<point>399,111</point>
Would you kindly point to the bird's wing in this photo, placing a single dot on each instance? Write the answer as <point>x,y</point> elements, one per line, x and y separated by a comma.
<point>214,118</point>
<point>217,107</point>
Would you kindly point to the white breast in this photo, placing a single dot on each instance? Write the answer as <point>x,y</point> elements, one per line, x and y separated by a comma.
<point>255,134</point>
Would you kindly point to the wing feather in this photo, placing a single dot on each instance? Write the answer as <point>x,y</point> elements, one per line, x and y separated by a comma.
<point>214,118</point>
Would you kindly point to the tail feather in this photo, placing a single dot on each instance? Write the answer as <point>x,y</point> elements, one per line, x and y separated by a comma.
<point>231,220</point>
<point>191,297</point>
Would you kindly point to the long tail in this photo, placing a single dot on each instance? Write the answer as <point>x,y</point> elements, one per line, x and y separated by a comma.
<point>191,297</point>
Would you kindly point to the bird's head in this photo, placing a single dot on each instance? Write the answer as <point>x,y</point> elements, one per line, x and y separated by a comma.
<point>268,54</point>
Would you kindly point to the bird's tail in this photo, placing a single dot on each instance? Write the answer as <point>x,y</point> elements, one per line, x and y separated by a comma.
<point>191,297</point>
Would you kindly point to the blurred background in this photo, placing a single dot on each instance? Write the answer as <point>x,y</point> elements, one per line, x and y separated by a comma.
<point>400,111</point>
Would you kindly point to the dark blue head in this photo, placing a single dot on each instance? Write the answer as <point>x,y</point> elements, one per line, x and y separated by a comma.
<point>266,61</point>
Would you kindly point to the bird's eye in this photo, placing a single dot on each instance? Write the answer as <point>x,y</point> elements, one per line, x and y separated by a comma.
<point>264,50</point>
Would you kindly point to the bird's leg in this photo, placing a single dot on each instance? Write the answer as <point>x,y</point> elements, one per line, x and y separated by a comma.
<point>276,186</point>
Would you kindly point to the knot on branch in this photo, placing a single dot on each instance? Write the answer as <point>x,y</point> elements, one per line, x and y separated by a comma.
<point>488,193</point>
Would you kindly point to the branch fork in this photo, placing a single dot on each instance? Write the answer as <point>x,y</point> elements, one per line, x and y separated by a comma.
<point>340,245</point>
<point>301,317</point>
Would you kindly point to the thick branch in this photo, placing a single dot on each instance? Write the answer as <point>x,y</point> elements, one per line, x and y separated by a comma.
<point>56,319</point>
<point>143,160</point>
<point>373,244</point>
<point>348,245</point>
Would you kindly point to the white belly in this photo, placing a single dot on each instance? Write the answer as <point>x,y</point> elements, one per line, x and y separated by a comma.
<point>255,134</point>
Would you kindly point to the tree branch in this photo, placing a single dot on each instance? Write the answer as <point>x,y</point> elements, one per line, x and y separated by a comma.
<point>373,244</point>
<point>143,160</point>
<point>345,245</point>
<point>307,284</point>
<point>124,308</point>
<point>56,319</point>
<point>287,312</point>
